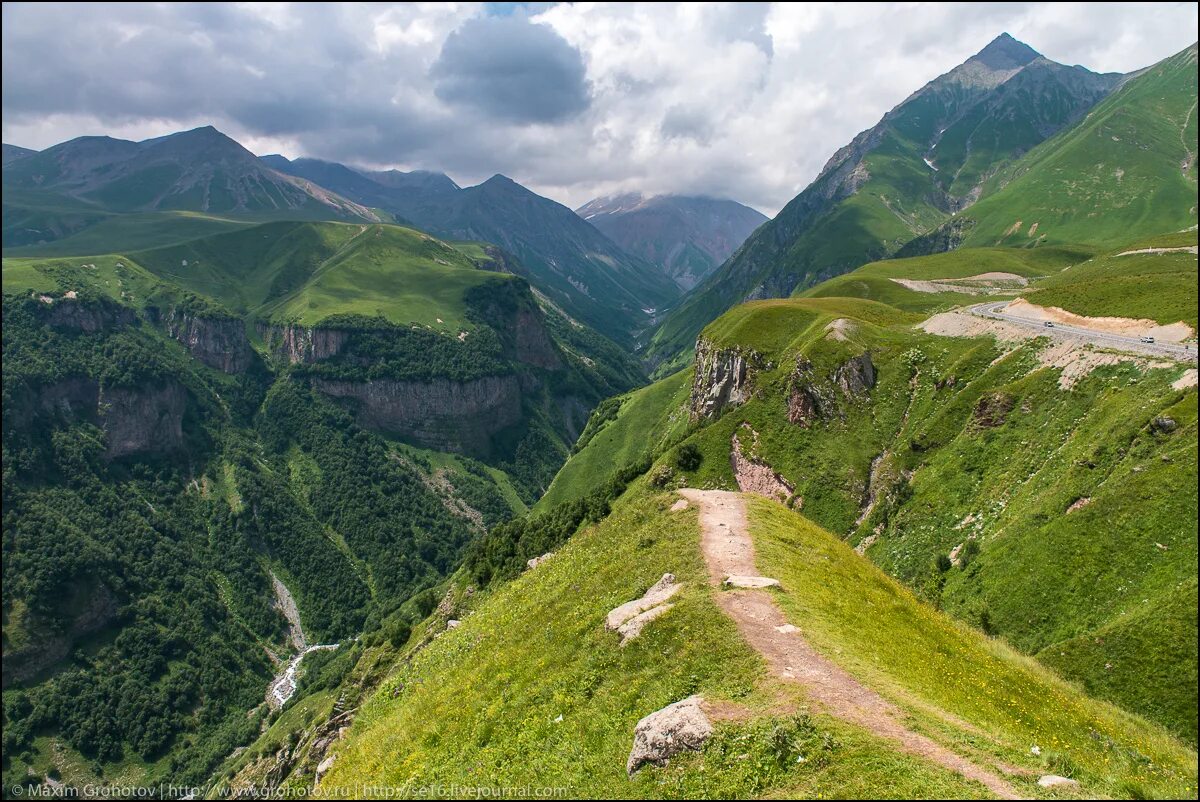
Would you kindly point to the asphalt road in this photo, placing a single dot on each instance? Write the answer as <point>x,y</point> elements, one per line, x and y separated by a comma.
<point>1185,352</point>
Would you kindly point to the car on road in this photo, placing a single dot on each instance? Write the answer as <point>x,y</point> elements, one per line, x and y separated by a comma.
<point>1147,338</point>
<point>1049,324</point>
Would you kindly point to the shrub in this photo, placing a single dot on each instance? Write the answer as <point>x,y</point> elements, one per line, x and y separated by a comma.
<point>688,457</point>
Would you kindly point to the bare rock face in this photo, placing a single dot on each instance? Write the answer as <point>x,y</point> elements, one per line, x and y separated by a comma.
<point>810,400</point>
<point>302,344</point>
<point>722,378</point>
<point>992,410</point>
<point>665,733</point>
<point>143,420</point>
<point>219,342</point>
<point>533,344</point>
<point>441,414</point>
<point>755,476</point>
<point>90,317</point>
<point>856,376</point>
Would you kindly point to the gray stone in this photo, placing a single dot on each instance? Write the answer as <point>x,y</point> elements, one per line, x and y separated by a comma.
<point>662,590</point>
<point>752,582</point>
<point>665,733</point>
<point>1053,780</point>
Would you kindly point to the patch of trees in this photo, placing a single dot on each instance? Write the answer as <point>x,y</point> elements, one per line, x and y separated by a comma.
<point>502,554</point>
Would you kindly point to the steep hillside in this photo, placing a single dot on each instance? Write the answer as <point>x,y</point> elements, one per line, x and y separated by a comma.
<point>926,159</point>
<point>579,269</point>
<point>686,237</point>
<point>533,691</point>
<point>1127,170</point>
<point>977,472</point>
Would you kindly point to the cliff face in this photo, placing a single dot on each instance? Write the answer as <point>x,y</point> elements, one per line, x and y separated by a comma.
<point>810,399</point>
<point>533,344</point>
<point>146,420</point>
<point>439,414</point>
<point>70,313</point>
<point>218,342</point>
<point>302,344</point>
<point>722,378</point>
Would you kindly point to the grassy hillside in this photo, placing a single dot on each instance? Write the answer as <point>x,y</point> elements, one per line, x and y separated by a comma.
<point>876,281</point>
<point>531,691</point>
<point>309,271</point>
<point>918,467</point>
<point>1127,170</point>
<point>896,182</point>
<point>1156,286</point>
<point>623,430</point>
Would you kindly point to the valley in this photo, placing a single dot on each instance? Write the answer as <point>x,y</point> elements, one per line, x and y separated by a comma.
<point>327,477</point>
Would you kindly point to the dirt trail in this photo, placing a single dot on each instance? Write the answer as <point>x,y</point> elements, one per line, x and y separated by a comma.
<point>727,548</point>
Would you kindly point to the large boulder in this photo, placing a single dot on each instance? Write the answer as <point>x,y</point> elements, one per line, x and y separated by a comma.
<point>665,733</point>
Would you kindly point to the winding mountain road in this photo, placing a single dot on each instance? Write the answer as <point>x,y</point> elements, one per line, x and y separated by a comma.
<point>1183,352</point>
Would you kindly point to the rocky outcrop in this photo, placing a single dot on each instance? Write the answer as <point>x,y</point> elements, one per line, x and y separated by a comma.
<point>665,733</point>
<point>630,618</point>
<point>135,420</point>
<point>810,400</point>
<point>142,420</point>
<point>755,476</point>
<point>992,410</point>
<point>219,342</point>
<point>856,376</point>
<point>722,378</point>
<point>302,344</point>
<point>86,316</point>
<point>440,414</point>
<point>532,342</point>
<point>947,237</point>
<point>97,609</point>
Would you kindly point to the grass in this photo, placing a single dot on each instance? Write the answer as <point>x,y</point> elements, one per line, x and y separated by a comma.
<point>1113,177</point>
<point>922,660</point>
<point>647,420</point>
<point>875,281</point>
<point>398,273</point>
<point>1042,578</point>
<point>1159,287</point>
<point>479,706</point>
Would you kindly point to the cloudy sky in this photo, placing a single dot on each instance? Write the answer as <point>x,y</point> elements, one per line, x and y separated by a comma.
<point>745,100</point>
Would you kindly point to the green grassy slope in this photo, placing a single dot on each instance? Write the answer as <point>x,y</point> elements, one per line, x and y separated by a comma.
<point>943,479</point>
<point>1128,169</point>
<point>309,271</point>
<point>622,431</point>
<point>874,281</point>
<point>482,704</point>
<point>1157,286</point>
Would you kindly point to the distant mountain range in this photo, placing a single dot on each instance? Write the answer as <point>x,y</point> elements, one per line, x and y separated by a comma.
<point>688,237</point>
<point>576,266</point>
<point>927,159</point>
<point>200,170</point>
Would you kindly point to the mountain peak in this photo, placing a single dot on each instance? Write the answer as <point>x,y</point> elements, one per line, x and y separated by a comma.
<point>1006,53</point>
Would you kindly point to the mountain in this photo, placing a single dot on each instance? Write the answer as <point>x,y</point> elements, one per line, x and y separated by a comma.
<point>12,153</point>
<point>688,237</point>
<point>923,501</point>
<point>66,188</point>
<point>926,159</point>
<point>578,268</point>
<point>200,436</point>
<point>1125,171</point>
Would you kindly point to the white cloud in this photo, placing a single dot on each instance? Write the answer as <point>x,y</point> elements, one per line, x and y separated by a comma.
<point>733,99</point>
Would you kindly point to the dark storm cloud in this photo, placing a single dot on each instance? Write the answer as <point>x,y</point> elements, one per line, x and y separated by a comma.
<point>511,69</point>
